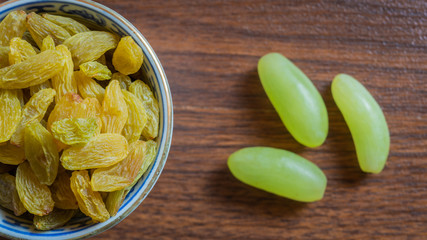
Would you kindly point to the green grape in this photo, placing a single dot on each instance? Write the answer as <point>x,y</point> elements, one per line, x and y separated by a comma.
<point>280,172</point>
<point>365,120</point>
<point>295,98</point>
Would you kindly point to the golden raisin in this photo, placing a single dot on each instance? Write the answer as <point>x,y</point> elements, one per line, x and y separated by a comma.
<point>103,150</point>
<point>34,110</point>
<point>56,218</point>
<point>35,70</point>
<point>9,195</point>
<point>72,26</point>
<point>137,118</point>
<point>40,28</point>
<point>128,56</point>
<point>143,92</point>
<point>72,106</point>
<point>95,70</point>
<point>10,113</point>
<point>90,202</point>
<point>64,81</point>
<point>65,108</point>
<point>13,25</point>
<point>89,87</point>
<point>124,80</point>
<point>11,154</point>
<point>115,200</point>
<point>89,46</point>
<point>114,109</point>
<point>20,50</point>
<point>90,108</point>
<point>150,153</point>
<point>35,196</point>
<point>122,174</point>
<point>34,89</point>
<point>41,152</point>
<point>75,130</point>
<point>48,44</point>
<point>61,192</point>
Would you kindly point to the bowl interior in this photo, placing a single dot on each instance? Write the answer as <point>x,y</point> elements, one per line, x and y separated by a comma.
<point>98,16</point>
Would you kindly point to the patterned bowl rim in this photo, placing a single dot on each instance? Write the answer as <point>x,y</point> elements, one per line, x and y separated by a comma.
<point>167,108</point>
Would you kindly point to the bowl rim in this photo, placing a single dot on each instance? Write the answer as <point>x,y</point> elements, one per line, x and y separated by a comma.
<point>165,141</point>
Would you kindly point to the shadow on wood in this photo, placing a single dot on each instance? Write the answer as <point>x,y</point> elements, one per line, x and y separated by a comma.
<point>235,196</point>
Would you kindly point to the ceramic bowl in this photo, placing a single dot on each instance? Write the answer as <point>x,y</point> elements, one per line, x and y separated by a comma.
<point>99,16</point>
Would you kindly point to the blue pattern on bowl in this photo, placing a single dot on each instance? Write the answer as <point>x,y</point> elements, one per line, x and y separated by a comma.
<point>94,14</point>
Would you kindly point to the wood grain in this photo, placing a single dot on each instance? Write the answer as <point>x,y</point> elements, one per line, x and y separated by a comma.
<point>209,50</point>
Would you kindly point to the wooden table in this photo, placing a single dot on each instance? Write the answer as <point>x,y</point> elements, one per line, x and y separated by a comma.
<point>210,49</point>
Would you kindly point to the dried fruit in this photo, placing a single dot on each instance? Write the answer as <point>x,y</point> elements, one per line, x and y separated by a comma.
<point>20,50</point>
<point>143,92</point>
<point>4,56</point>
<point>72,26</point>
<point>75,130</point>
<point>90,108</point>
<point>34,110</point>
<point>35,70</point>
<point>137,118</point>
<point>64,81</point>
<point>95,70</point>
<point>128,56</point>
<point>150,153</point>
<point>114,109</point>
<point>90,202</point>
<point>13,25</point>
<point>61,192</point>
<point>41,152</point>
<point>34,89</point>
<point>89,46</point>
<point>103,150</point>
<point>11,154</point>
<point>115,200</point>
<point>9,195</point>
<point>72,106</point>
<point>124,80</point>
<point>40,28</point>
<point>10,113</point>
<point>122,174</point>
<point>65,108</point>
<point>48,44</point>
<point>56,218</point>
<point>89,87</point>
<point>35,196</point>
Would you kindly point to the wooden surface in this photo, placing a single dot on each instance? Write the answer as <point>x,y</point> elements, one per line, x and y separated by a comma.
<point>209,50</point>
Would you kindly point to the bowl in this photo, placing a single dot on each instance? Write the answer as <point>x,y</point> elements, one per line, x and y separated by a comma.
<point>95,14</point>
